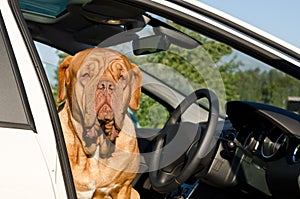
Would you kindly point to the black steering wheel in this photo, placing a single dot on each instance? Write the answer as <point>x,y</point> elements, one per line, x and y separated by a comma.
<point>170,177</point>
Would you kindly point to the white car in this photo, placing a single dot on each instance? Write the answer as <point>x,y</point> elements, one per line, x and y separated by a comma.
<point>242,141</point>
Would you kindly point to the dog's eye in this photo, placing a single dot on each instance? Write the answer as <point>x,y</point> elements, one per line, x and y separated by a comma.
<point>122,77</point>
<point>85,75</point>
<point>123,80</point>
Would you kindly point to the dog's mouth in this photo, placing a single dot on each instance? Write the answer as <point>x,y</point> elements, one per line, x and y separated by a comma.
<point>103,132</point>
<point>105,121</point>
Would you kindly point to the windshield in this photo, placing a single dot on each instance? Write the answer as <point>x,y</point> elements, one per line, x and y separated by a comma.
<point>176,61</point>
<point>185,67</point>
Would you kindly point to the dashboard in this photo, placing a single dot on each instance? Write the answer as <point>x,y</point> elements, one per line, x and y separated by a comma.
<point>267,147</point>
<point>268,132</point>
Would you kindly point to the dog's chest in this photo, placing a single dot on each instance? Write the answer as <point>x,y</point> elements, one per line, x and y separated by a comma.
<point>97,179</point>
<point>109,191</point>
<point>103,192</point>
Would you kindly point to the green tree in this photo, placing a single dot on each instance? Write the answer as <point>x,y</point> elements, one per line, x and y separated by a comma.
<point>268,86</point>
<point>197,65</point>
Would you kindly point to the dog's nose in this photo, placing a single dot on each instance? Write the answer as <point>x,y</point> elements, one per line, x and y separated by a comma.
<point>106,86</point>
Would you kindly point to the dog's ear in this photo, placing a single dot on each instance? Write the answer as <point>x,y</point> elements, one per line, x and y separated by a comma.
<point>63,78</point>
<point>134,103</point>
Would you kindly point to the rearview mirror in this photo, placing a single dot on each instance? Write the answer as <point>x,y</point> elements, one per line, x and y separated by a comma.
<point>162,40</point>
<point>150,44</point>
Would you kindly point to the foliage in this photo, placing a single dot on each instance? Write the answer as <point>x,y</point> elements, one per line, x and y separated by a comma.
<point>270,87</point>
<point>197,66</point>
<point>151,114</point>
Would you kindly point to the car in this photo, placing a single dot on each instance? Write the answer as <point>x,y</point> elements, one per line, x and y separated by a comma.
<point>219,110</point>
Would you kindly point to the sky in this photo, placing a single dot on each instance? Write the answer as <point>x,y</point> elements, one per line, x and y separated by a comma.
<point>278,17</point>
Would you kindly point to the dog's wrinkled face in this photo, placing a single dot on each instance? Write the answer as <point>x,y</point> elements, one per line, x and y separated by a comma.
<point>101,84</point>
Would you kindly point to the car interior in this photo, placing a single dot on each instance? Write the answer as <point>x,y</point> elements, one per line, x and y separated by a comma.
<point>197,142</point>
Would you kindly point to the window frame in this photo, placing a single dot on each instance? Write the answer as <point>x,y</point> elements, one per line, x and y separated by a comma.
<point>22,93</point>
<point>57,130</point>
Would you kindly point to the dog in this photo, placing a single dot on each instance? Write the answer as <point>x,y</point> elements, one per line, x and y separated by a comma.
<point>96,87</point>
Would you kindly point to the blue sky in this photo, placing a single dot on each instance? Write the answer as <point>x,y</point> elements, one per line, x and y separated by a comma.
<point>278,17</point>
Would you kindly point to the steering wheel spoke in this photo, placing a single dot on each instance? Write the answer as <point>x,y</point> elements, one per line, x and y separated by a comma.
<point>181,146</point>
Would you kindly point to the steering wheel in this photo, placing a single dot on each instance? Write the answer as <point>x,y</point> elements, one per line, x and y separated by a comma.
<point>168,178</point>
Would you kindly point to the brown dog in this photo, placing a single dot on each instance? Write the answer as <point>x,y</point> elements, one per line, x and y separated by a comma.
<point>98,85</point>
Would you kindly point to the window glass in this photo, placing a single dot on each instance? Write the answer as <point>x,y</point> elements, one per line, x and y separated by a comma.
<point>232,74</point>
<point>188,61</point>
<point>51,58</point>
<point>151,113</point>
<point>11,103</point>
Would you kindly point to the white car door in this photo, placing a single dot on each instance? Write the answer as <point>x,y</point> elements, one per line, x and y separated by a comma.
<point>30,165</point>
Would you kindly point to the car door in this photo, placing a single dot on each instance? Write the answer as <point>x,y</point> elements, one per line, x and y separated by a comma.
<point>31,144</point>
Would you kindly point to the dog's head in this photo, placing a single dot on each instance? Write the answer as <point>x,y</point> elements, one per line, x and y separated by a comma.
<point>99,85</point>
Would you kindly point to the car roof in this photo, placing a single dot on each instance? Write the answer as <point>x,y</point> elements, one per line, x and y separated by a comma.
<point>78,23</point>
